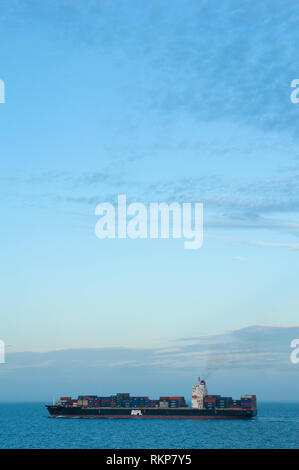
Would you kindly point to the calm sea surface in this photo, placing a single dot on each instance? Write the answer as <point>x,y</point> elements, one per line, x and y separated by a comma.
<point>27,426</point>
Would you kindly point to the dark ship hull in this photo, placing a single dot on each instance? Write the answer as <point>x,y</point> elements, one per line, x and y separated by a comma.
<point>57,411</point>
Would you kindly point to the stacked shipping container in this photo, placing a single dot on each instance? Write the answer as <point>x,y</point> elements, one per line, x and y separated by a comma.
<point>248,402</point>
<point>172,402</point>
<point>217,401</point>
<point>124,400</point>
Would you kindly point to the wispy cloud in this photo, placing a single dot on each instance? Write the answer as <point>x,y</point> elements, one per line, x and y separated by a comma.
<point>234,348</point>
<point>241,241</point>
<point>253,354</point>
<point>186,76</point>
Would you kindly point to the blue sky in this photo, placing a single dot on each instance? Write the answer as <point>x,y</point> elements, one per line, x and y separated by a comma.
<point>184,101</point>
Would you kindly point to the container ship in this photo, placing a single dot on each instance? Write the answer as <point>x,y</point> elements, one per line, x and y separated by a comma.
<point>122,405</point>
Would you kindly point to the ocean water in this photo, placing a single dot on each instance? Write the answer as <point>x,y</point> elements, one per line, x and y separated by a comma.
<point>27,426</point>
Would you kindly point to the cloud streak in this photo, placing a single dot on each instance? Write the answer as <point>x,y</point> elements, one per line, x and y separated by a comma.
<point>232,349</point>
<point>256,354</point>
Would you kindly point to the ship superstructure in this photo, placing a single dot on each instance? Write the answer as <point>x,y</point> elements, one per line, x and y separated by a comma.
<point>199,391</point>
